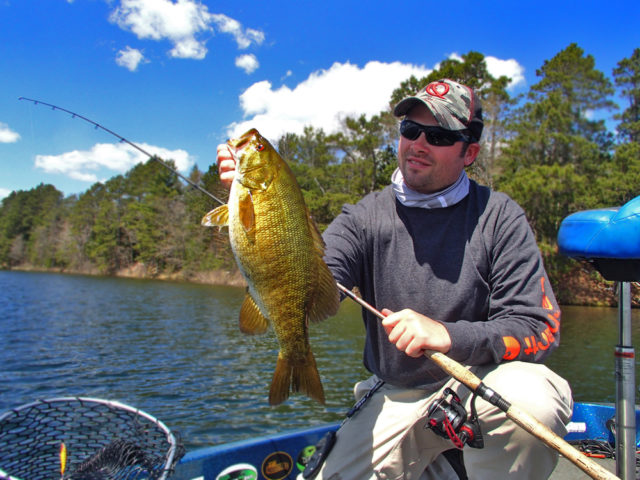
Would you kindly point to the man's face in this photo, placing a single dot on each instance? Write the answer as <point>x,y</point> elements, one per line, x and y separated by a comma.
<point>427,168</point>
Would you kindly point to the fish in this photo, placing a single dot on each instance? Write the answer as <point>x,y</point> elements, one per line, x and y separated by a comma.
<point>113,459</point>
<point>279,251</point>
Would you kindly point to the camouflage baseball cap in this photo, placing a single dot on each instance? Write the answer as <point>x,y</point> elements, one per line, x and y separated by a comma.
<point>455,106</point>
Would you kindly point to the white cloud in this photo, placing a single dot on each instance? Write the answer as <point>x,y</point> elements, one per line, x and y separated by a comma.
<point>510,68</point>
<point>7,135</point>
<point>4,192</point>
<point>244,38</point>
<point>162,19</point>
<point>107,159</point>
<point>497,67</point>
<point>182,23</point>
<point>323,99</point>
<point>327,96</point>
<point>248,63</point>
<point>129,58</point>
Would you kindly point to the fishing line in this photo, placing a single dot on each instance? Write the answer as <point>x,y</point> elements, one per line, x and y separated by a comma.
<point>122,139</point>
<point>164,164</point>
<point>453,368</point>
<point>153,157</point>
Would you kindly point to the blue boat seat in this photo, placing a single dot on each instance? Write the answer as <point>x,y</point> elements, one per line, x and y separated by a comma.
<point>609,238</point>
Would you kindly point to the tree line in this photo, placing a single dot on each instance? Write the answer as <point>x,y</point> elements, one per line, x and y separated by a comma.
<point>563,146</point>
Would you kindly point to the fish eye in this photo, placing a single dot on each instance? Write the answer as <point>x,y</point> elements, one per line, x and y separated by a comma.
<point>259,147</point>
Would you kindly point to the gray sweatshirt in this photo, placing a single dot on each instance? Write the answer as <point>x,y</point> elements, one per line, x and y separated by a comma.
<point>474,266</point>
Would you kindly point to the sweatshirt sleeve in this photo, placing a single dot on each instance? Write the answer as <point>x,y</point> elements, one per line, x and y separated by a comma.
<point>344,242</point>
<point>524,319</point>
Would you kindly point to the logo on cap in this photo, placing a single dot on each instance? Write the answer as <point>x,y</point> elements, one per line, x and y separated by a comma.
<point>437,89</point>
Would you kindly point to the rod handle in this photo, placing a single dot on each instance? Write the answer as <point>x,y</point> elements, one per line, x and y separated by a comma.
<point>523,419</point>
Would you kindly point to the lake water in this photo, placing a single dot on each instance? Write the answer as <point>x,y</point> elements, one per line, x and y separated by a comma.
<point>174,350</point>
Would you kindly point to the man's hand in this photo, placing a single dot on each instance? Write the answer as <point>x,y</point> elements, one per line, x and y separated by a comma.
<point>226,165</point>
<point>413,333</point>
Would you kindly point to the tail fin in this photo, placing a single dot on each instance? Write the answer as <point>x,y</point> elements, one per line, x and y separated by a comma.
<point>297,377</point>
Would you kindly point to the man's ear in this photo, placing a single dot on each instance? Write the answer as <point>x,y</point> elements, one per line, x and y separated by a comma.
<point>472,152</point>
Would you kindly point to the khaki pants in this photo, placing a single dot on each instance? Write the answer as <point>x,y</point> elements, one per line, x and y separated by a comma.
<point>386,439</point>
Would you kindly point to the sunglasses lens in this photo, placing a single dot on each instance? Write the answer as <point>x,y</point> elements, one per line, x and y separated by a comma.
<point>436,136</point>
<point>410,130</point>
<point>441,139</point>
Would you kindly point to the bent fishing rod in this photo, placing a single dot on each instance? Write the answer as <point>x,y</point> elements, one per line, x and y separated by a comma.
<point>450,366</point>
<point>124,140</point>
<point>520,417</point>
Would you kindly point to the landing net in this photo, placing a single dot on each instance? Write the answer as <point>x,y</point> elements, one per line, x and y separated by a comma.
<point>85,438</point>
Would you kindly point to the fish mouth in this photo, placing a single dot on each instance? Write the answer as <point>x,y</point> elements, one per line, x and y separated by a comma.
<point>245,169</point>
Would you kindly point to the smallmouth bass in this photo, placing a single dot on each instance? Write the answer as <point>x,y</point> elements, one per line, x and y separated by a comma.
<point>279,250</point>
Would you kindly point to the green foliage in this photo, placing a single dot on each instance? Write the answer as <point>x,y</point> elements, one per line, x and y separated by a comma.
<point>547,193</point>
<point>104,246</point>
<point>549,149</point>
<point>552,162</point>
<point>619,180</point>
<point>627,77</point>
<point>311,148</point>
<point>21,214</point>
<point>362,145</point>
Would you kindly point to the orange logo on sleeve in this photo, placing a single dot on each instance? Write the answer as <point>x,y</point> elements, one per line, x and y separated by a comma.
<point>513,346</point>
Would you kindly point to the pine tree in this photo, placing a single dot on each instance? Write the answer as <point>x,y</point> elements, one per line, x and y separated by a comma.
<point>554,137</point>
<point>627,78</point>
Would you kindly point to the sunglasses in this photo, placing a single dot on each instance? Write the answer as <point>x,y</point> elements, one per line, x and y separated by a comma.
<point>436,136</point>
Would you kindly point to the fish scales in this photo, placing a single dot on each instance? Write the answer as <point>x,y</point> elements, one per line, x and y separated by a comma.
<point>279,250</point>
<point>277,264</point>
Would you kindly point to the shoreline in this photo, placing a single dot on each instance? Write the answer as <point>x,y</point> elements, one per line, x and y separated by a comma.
<point>220,277</point>
<point>579,287</point>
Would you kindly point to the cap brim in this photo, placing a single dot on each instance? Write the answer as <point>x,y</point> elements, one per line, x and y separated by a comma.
<point>404,106</point>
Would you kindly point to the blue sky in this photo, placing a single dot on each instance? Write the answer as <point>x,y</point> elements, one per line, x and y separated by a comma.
<point>180,77</point>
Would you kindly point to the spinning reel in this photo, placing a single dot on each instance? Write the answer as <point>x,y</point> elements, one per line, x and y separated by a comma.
<point>448,418</point>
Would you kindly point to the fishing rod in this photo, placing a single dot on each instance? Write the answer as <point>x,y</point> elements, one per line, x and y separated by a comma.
<point>122,139</point>
<point>520,417</point>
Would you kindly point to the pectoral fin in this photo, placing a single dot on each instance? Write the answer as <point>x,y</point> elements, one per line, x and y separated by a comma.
<point>252,321</point>
<point>218,217</point>
<point>246,212</point>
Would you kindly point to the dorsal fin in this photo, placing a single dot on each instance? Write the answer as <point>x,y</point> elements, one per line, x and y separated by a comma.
<point>325,300</point>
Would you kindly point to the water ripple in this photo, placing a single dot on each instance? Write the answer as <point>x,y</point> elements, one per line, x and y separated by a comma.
<point>174,350</point>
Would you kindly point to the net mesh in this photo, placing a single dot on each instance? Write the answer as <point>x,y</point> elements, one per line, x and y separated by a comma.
<point>102,440</point>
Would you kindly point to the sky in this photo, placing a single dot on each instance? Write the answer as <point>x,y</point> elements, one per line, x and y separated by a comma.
<point>178,77</point>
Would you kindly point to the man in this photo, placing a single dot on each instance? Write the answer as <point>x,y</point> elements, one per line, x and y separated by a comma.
<point>456,269</point>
